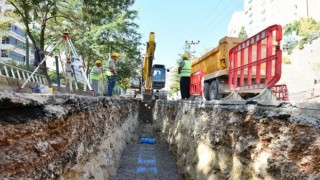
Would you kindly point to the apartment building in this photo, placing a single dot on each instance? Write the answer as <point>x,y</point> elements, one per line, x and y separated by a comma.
<point>237,21</point>
<point>14,41</point>
<point>259,14</point>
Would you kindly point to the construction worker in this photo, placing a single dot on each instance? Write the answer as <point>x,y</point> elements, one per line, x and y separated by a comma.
<point>185,72</point>
<point>95,76</point>
<point>111,72</point>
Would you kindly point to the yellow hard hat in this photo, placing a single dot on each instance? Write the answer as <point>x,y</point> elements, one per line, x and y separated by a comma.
<point>114,54</point>
<point>185,56</point>
<point>98,62</point>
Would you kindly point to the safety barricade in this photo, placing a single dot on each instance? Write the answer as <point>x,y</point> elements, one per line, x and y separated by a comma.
<point>196,83</point>
<point>281,92</point>
<point>256,62</point>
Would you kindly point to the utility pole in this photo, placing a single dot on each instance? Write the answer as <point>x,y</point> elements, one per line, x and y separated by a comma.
<point>192,44</point>
<point>307,3</point>
<point>27,52</point>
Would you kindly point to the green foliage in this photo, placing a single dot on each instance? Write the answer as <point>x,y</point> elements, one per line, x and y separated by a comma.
<point>290,43</point>
<point>97,27</point>
<point>290,28</point>
<point>80,85</point>
<point>286,60</point>
<point>306,28</point>
<point>175,84</point>
<point>4,25</point>
<point>53,76</point>
<point>101,27</point>
<point>243,33</point>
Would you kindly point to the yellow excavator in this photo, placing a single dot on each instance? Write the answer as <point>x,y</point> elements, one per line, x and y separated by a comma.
<point>153,76</point>
<point>147,74</point>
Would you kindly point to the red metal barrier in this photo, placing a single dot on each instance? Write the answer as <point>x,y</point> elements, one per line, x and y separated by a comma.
<point>196,83</point>
<point>281,92</point>
<point>256,62</point>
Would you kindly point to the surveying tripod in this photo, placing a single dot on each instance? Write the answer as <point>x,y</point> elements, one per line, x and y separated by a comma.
<point>68,43</point>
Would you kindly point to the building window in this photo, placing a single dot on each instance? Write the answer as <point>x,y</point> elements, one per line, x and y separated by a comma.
<point>17,30</point>
<point>4,53</point>
<point>17,56</point>
<point>5,40</point>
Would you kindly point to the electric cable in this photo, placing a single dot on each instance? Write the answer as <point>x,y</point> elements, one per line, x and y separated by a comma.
<point>218,20</point>
<point>198,27</point>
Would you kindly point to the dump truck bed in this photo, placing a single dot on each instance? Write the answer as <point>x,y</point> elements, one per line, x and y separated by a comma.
<point>215,63</point>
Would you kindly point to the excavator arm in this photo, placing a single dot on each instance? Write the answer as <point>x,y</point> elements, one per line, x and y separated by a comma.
<point>147,74</point>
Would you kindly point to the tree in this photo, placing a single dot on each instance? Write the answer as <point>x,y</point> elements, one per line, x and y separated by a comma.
<point>307,29</point>
<point>4,26</point>
<point>243,33</point>
<point>292,27</point>
<point>175,78</point>
<point>40,11</point>
<point>106,26</point>
<point>97,27</point>
<point>289,43</point>
<point>307,26</point>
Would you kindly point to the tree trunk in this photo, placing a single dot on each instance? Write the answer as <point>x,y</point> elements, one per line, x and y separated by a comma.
<point>42,55</point>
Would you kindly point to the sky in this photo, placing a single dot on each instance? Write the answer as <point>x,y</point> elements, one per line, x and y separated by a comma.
<point>176,21</point>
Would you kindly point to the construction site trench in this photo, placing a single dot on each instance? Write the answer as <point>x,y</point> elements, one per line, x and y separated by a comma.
<point>81,137</point>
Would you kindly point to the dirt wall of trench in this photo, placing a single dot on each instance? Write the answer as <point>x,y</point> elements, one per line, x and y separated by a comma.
<point>63,136</point>
<point>78,137</point>
<point>241,140</point>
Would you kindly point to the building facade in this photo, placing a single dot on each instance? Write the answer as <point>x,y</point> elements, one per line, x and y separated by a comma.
<point>13,41</point>
<point>259,14</point>
<point>237,21</point>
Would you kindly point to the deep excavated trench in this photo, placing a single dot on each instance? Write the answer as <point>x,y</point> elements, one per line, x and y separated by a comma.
<point>78,137</point>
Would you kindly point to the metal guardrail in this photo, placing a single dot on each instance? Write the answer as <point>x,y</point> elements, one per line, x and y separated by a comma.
<point>10,71</point>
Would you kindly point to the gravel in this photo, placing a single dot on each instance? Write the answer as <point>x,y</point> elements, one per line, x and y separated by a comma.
<point>147,161</point>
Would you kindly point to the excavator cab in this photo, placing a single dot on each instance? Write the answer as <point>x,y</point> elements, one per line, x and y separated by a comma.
<point>159,76</point>
<point>153,76</point>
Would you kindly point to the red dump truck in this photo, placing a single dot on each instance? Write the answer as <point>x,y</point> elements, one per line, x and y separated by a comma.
<point>243,66</point>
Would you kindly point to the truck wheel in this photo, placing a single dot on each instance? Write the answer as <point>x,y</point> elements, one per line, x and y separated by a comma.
<point>214,90</point>
<point>206,89</point>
